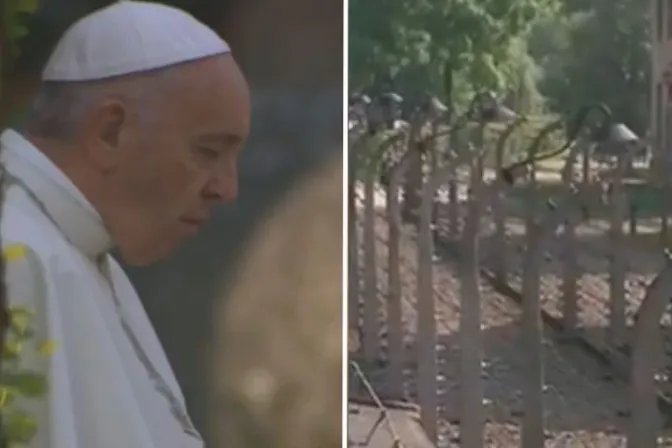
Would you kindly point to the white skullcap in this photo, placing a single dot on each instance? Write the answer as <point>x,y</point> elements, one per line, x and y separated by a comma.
<point>130,37</point>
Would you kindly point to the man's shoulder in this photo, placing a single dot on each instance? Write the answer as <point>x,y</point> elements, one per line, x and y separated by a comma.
<point>28,245</point>
<point>21,226</point>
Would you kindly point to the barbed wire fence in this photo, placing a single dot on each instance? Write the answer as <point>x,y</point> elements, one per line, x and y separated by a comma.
<point>618,300</point>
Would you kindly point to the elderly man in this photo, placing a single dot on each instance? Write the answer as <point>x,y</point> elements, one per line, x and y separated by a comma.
<point>132,138</point>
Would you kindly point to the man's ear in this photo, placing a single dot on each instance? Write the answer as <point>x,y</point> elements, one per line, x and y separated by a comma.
<point>103,131</point>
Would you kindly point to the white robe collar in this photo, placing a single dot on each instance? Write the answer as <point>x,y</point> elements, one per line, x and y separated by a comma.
<point>76,218</point>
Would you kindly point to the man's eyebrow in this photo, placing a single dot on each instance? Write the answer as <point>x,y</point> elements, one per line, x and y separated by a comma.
<point>219,138</point>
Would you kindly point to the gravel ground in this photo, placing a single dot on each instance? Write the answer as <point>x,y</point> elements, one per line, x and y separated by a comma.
<point>585,404</point>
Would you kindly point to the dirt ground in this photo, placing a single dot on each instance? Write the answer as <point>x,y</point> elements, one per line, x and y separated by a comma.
<point>586,405</point>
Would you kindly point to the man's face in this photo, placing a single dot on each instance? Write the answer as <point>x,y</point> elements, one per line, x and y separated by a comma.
<point>178,160</point>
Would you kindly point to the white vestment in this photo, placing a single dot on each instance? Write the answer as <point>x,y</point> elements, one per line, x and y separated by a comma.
<point>101,392</point>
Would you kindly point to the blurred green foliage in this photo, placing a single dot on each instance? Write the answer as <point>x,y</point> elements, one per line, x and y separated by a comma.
<point>14,26</point>
<point>16,382</point>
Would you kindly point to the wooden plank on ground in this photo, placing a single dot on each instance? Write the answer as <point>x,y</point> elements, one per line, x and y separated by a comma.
<point>362,419</point>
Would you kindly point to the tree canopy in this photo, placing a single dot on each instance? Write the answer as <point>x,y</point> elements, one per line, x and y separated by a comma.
<point>552,54</point>
<point>598,54</point>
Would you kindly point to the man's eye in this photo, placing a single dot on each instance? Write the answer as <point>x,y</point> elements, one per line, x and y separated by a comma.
<point>208,153</point>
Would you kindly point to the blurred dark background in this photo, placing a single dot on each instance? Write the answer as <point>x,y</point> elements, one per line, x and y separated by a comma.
<point>291,52</point>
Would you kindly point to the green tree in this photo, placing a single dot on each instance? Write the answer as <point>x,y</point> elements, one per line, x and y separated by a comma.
<point>479,41</point>
<point>597,53</point>
<point>19,384</point>
<point>12,26</point>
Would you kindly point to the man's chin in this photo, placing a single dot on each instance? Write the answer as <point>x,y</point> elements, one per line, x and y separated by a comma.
<point>137,257</point>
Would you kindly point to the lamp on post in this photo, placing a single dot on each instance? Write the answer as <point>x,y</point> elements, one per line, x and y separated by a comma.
<point>358,104</point>
<point>359,99</point>
<point>620,143</point>
<point>384,116</point>
<point>605,131</point>
<point>390,108</point>
<point>433,109</point>
<point>620,133</point>
<point>486,108</point>
<point>618,139</point>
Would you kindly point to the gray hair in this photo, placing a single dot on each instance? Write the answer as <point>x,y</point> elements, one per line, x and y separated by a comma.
<point>59,108</point>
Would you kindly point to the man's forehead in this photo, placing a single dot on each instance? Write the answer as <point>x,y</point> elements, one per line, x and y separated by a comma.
<point>217,121</point>
<point>219,70</point>
<point>217,87</point>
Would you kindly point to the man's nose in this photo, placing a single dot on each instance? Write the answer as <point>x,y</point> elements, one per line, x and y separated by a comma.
<point>223,187</point>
